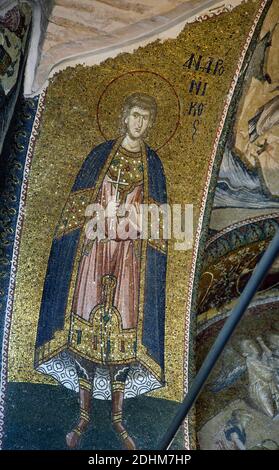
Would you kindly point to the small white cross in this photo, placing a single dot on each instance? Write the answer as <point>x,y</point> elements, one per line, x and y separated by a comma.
<point>118,182</point>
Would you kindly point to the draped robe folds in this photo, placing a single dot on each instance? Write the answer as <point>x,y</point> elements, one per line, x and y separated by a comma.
<point>140,293</point>
<point>120,258</point>
<point>263,389</point>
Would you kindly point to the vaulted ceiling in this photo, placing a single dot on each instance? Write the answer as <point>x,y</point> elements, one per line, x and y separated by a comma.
<point>99,18</point>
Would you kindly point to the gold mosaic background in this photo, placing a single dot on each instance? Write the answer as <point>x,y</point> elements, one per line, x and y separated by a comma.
<point>68,132</point>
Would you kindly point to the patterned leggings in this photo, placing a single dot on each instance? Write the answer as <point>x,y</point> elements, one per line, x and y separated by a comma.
<point>86,371</point>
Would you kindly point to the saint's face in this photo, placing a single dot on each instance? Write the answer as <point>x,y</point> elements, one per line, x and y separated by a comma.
<point>137,122</point>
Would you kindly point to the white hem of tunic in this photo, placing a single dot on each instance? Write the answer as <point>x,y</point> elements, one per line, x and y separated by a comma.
<point>63,369</point>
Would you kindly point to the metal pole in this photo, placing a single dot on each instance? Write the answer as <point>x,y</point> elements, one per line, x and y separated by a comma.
<point>238,311</point>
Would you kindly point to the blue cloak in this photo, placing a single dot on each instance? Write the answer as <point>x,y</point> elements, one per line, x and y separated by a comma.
<point>62,258</point>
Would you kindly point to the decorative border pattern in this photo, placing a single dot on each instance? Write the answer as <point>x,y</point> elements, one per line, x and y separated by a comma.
<point>241,223</point>
<point>215,12</point>
<point>225,312</point>
<point>239,235</point>
<point>19,225</point>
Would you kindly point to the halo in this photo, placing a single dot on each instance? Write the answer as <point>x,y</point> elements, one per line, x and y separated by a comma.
<point>109,108</point>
